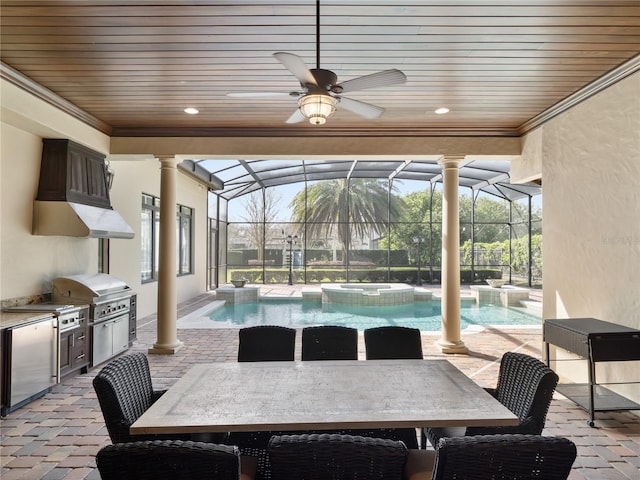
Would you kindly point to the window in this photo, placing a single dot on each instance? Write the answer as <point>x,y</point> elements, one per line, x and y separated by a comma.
<point>184,224</point>
<point>103,255</point>
<point>150,238</point>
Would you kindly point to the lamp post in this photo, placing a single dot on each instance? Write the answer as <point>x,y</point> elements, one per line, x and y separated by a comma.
<point>291,241</point>
<point>418,240</point>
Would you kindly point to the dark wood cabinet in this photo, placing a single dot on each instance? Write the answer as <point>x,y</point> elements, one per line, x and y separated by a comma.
<point>74,173</point>
<point>66,340</point>
<point>133,320</point>
<point>74,348</point>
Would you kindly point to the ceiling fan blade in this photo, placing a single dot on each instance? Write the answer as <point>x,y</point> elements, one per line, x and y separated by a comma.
<point>296,65</point>
<point>262,94</point>
<point>379,79</point>
<point>363,109</point>
<point>296,117</point>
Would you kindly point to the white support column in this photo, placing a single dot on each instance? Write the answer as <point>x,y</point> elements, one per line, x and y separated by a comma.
<point>167,333</point>
<point>450,341</point>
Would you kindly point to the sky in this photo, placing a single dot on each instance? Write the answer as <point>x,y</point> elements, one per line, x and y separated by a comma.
<point>237,207</point>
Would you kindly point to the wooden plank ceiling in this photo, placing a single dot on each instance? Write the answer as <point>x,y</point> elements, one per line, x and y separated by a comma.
<point>496,64</point>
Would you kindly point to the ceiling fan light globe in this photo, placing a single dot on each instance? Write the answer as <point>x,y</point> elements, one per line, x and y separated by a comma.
<point>317,108</point>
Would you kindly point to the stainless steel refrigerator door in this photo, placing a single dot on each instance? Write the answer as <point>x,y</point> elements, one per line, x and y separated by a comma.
<point>34,359</point>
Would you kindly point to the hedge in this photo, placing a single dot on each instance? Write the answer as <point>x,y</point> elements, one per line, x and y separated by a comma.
<point>370,275</point>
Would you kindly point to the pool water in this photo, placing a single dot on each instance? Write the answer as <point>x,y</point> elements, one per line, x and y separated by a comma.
<point>423,315</point>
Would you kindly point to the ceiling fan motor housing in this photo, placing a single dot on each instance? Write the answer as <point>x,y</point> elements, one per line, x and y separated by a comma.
<point>326,80</point>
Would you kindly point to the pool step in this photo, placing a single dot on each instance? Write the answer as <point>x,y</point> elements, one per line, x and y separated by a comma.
<point>532,305</point>
<point>421,294</point>
<point>311,294</point>
<point>314,294</point>
<point>200,318</point>
<point>464,297</point>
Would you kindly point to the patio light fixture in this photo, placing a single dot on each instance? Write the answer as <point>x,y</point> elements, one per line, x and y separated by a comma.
<point>418,239</point>
<point>317,107</point>
<point>110,173</point>
<point>291,241</point>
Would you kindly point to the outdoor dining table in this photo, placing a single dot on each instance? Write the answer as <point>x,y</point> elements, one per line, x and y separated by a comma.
<point>321,395</point>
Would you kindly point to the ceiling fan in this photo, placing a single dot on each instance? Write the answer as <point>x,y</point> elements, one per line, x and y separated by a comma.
<point>321,93</point>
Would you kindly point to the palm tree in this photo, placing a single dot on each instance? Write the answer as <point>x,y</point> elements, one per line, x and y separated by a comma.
<point>355,206</point>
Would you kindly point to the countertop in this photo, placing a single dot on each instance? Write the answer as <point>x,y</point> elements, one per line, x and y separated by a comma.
<point>16,319</point>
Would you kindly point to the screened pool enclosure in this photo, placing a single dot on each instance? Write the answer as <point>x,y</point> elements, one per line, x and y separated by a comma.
<point>313,221</point>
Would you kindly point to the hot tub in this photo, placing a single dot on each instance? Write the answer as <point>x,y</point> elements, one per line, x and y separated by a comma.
<point>367,293</point>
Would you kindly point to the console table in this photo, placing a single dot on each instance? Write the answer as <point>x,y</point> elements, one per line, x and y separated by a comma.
<point>596,341</point>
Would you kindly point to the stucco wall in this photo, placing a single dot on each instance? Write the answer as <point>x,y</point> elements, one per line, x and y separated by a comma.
<point>30,262</point>
<point>528,167</point>
<point>590,160</point>
<point>591,204</point>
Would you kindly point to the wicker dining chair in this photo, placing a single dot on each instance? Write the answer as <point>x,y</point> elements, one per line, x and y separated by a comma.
<point>262,343</point>
<point>266,343</point>
<point>510,456</point>
<point>525,386</point>
<point>393,343</point>
<point>329,342</point>
<point>125,391</point>
<point>336,457</point>
<point>173,460</point>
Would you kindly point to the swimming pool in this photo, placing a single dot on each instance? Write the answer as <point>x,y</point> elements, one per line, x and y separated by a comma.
<point>423,315</point>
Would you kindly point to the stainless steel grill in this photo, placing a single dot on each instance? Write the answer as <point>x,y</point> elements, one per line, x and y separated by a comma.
<point>109,299</point>
<point>96,288</point>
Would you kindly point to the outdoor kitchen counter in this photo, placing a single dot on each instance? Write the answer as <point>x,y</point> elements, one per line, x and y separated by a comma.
<point>13,319</point>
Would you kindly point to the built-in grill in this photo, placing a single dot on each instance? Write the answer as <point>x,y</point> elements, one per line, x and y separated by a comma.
<point>110,302</point>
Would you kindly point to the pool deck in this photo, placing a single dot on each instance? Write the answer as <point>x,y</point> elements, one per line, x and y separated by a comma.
<point>58,435</point>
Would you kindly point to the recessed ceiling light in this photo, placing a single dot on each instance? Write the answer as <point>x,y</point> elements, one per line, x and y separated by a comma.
<point>191,111</point>
<point>442,111</point>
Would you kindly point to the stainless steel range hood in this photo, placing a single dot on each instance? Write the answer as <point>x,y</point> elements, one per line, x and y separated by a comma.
<point>73,194</point>
<point>76,220</point>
